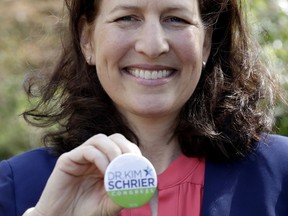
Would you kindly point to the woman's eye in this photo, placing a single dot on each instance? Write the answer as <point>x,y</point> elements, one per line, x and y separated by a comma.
<point>126,19</point>
<point>177,20</point>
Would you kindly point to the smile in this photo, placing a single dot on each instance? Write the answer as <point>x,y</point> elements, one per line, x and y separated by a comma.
<point>150,74</point>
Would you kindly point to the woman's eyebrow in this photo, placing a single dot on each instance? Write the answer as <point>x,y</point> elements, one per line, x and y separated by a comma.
<point>124,7</point>
<point>172,8</point>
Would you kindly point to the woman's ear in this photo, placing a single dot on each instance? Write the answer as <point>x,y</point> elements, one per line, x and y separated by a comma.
<point>86,40</point>
<point>207,43</point>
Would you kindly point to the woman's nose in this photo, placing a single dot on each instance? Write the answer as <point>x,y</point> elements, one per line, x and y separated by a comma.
<point>152,40</point>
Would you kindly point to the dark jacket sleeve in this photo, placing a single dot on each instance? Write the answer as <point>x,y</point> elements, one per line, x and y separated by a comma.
<point>7,193</point>
<point>22,180</point>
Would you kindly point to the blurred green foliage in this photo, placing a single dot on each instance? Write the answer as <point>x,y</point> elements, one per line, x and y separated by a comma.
<point>269,19</point>
<point>29,38</point>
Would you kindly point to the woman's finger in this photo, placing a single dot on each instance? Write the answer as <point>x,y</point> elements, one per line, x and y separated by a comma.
<point>99,150</point>
<point>124,144</point>
<point>105,145</point>
<point>77,161</point>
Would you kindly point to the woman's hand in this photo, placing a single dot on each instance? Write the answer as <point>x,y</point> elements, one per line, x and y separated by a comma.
<point>76,186</point>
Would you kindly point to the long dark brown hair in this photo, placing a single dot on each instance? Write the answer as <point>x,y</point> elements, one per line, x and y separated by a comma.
<point>230,109</point>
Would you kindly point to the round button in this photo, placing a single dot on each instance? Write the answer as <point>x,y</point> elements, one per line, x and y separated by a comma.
<point>130,180</point>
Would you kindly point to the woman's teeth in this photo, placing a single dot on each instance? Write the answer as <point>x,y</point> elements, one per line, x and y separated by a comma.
<point>150,74</point>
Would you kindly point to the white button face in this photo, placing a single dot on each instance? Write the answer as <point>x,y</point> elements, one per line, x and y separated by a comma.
<point>130,180</point>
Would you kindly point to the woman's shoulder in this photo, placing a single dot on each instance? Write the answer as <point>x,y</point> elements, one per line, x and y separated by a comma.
<point>268,163</point>
<point>34,164</point>
<point>269,156</point>
<point>275,141</point>
<point>254,185</point>
<point>31,166</point>
<point>22,179</point>
<point>35,158</point>
<point>273,149</point>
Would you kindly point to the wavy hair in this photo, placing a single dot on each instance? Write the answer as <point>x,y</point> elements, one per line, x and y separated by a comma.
<point>229,110</point>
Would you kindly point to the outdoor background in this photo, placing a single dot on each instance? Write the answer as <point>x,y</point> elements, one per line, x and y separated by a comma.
<point>29,31</point>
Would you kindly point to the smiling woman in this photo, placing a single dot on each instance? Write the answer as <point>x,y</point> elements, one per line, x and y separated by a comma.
<point>180,83</point>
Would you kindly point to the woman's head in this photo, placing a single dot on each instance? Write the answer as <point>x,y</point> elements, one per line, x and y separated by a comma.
<point>148,54</point>
<point>224,106</point>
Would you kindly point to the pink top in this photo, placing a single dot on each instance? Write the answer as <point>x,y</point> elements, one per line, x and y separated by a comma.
<point>180,190</point>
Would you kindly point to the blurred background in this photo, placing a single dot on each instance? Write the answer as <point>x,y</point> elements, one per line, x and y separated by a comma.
<point>29,40</point>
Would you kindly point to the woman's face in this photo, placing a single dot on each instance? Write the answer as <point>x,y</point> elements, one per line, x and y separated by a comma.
<point>148,53</point>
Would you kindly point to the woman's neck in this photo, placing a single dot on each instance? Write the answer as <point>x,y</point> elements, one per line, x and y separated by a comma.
<point>157,141</point>
<point>161,156</point>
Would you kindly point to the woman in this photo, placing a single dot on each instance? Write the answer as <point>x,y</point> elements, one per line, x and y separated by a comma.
<point>180,79</point>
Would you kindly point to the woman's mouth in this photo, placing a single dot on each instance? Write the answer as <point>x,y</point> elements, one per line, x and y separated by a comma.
<point>150,74</point>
